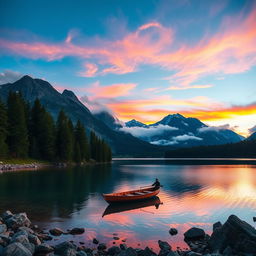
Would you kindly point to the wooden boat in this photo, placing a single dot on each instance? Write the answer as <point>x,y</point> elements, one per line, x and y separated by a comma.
<point>132,195</point>
<point>123,207</point>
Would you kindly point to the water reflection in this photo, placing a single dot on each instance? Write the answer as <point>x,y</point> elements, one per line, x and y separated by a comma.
<point>128,206</point>
<point>193,195</point>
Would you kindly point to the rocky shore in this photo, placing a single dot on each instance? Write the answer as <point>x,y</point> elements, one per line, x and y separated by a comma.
<point>13,167</point>
<point>19,237</point>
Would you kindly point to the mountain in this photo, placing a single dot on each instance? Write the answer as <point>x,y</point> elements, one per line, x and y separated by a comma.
<point>134,123</point>
<point>179,131</point>
<point>122,144</point>
<point>252,136</point>
<point>111,121</point>
<point>242,149</point>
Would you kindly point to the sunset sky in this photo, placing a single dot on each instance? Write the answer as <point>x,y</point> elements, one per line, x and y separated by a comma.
<point>139,59</point>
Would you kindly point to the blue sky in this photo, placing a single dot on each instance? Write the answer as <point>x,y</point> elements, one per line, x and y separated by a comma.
<point>139,59</point>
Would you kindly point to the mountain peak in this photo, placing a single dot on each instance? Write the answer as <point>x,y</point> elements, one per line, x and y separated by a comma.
<point>134,123</point>
<point>70,94</point>
<point>26,79</point>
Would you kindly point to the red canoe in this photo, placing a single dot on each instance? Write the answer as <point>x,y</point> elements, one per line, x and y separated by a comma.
<point>133,195</point>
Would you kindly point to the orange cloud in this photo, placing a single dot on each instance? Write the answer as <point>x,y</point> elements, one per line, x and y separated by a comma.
<point>91,70</point>
<point>231,50</point>
<point>111,91</point>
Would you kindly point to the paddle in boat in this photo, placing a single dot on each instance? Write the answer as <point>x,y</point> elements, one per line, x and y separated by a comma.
<point>132,195</point>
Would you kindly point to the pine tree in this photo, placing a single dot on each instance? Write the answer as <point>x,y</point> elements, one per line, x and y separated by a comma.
<point>64,138</point>
<point>17,126</point>
<point>81,139</point>
<point>41,133</point>
<point>3,130</point>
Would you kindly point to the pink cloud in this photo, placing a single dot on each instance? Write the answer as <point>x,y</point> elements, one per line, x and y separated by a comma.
<point>111,91</point>
<point>91,70</point>
<point>231,50</point>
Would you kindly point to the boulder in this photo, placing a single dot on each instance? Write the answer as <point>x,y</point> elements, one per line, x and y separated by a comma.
<point>3,228</point>
<point>128,252</point>
<point>23,239</point>
<point>123,246</point>
<point>7,214</point>
<point>254,219</point>
<point>16,249</point>
<point>76,231</point>
<point>56,231</point>
<point>64,247</point>
<point>194,234</point>
<point>114,250</point>
<point>18,220</point>
<point>34,239</point>
<point>164,245</point>
<point>216,225</point>
<point>101,247</point>
<point>43,249</point>
<point>81,253</point>
<point>173,231</point>
<point>235,233</point>
<point>148,252</point>
<point>1,250</point>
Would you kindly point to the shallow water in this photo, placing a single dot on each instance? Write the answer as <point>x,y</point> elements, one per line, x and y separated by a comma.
<point>194,194</point>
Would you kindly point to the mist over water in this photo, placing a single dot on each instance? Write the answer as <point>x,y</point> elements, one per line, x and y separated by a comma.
<point>193,194</point>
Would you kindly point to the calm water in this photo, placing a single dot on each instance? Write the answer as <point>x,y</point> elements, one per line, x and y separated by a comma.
<point>194,194</point>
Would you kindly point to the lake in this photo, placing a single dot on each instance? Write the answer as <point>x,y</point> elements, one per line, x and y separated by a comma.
<point>195,193</point>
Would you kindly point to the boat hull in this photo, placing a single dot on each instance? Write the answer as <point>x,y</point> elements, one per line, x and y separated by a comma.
<point>133,195</point>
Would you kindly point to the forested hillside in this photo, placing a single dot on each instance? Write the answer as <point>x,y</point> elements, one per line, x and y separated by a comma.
<point>28,130</point>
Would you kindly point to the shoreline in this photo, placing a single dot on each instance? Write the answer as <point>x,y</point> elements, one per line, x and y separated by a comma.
<point>37,165</point>
<point>19,237</point>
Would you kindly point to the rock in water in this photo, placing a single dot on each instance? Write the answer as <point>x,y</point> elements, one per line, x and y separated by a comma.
<point>56,231</point>
<point>76,231</point>
<point>194,234</point>
<point>16,249</point>
<point>173,231</point>
<point>95,241</point>
<point>235,233</point>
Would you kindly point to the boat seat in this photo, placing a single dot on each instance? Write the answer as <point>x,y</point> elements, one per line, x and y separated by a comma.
<point>139,193</point>
<point>129,195</point>
<point>146,191</point>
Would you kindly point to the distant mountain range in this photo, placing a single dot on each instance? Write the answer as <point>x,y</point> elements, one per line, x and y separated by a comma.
<point>178,131</point>
<point>132,138</point>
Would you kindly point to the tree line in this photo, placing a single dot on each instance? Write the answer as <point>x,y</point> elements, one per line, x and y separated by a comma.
<point>246,149</point>
<point>30,131</point>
